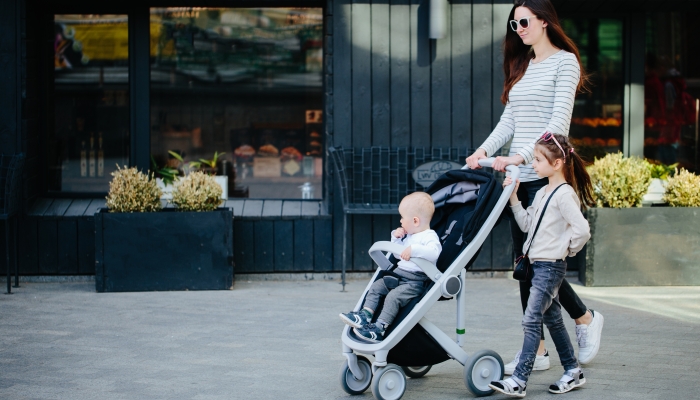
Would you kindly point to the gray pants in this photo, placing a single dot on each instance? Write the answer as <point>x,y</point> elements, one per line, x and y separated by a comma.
<point>398,292</point>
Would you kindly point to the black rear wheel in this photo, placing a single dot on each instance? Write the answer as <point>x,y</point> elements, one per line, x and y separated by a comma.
<point>416,372</point>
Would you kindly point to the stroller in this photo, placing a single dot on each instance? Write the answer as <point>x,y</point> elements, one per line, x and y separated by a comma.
<point>468,204</point>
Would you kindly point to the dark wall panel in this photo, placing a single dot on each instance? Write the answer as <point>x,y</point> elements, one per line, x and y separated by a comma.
<point>68,246</point>
<point>283,246</point>
<point>48,246</point>
<point>400,50</point>
<point>303,245</point>
<point>323,250</point>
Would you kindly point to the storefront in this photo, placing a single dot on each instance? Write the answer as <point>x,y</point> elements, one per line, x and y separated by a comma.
<point>273,84</point>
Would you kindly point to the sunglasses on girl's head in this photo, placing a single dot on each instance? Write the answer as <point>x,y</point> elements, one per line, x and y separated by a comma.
<point>547,136</point>
<point>523,22</point>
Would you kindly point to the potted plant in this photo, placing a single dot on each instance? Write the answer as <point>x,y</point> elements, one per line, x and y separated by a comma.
<point>141,246</point>
<point>635,246</point>
<point>211,167</point>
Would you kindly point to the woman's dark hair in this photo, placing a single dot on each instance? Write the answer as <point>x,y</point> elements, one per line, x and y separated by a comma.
<point>517,55</point>
<point>574,168</point>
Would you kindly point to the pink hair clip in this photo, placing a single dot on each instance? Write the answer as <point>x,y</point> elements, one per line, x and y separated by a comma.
<point>571,150</point>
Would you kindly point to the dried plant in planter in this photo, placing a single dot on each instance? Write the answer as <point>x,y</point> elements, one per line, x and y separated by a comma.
<point>683,189</point>
<point>197,192</point>
<point>133,191</point>
<point>619,182</point>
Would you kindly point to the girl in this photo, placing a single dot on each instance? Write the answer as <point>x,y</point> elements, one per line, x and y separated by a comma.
<point>562,232</point>
<point>543,73</point>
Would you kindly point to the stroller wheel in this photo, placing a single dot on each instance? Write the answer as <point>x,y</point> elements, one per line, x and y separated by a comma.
<point>389,383</point>
<point>416,372</point>
<point>348,381</point>
<point>482,368</point>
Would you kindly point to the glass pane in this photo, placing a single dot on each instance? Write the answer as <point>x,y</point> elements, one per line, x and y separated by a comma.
<point>246,82</point>
<point>596,124</point>
<point>90,135</point>
<point>671,90</point>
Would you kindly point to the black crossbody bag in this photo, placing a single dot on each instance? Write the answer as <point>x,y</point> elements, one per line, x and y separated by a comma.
<point>523,267</point>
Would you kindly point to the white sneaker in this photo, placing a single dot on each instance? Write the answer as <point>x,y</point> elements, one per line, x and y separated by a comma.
<point>588,338</point>
<point>541,363</point>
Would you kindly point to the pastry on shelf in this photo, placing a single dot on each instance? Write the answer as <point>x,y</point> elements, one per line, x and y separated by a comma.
<point>290,153</point>
<point>315,143</point>
<point>268,150</point>
<point>315,134</point>
<point>244,151</point>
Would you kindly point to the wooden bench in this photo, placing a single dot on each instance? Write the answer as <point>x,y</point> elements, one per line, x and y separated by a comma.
<point>57,236</point>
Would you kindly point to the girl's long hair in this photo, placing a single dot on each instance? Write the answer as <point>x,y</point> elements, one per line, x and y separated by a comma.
<point>517,55</point>
<point>574,168</point>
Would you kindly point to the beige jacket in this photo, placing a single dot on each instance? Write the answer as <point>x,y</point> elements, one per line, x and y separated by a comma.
<point>563,230</point>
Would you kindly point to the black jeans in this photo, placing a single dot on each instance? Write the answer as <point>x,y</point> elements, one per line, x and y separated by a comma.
<point>567,297</point>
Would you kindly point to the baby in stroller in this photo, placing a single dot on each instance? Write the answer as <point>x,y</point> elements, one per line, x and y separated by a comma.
<point>407,281</point>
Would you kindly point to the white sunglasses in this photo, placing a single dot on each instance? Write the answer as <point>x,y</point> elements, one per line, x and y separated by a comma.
<point>523,22</point>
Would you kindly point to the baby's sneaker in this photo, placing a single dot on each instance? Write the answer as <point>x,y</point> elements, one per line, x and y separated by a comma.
<point>541,363</point>
<point>571,380</point>
<point>373,333</point>
<point>355,319</point>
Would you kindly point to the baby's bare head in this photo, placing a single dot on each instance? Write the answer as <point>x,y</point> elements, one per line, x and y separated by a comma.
<point>417,204</point>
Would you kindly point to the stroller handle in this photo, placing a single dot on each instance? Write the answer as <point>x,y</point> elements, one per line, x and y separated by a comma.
<point>488,162</point>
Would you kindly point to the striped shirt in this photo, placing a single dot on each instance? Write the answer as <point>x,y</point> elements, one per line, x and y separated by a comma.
<point>541,101</point>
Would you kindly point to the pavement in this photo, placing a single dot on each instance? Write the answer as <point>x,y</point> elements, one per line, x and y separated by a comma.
<point>281,340</point>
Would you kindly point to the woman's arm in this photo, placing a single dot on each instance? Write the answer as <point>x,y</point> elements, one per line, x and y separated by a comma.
<point>568,77</point>
<point>501,134</point>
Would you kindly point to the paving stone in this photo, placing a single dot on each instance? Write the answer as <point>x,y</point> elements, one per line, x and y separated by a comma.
<point>281,340</point>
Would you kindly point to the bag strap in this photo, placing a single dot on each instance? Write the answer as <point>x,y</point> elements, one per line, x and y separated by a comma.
<point>541,215</point>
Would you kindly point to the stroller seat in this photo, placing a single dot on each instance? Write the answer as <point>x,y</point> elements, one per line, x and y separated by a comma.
<point>468,205</point>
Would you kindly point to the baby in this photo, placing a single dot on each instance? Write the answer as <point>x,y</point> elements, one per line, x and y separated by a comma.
<point>408,280</point>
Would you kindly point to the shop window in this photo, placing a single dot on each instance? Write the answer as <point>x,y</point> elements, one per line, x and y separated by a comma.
<point>671,89</point>
<point>246,82</point>
<point>596,124</point>
<point>90,132</point>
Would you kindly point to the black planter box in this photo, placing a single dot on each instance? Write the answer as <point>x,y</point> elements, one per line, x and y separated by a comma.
<point>166,250</point>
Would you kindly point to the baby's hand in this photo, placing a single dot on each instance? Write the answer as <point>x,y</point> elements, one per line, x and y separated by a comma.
<point>406,254</point>
<point>507,181</point>
<point>399,233</point>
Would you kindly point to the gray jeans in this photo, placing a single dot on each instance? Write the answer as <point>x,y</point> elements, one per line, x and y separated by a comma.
<point>398,292</point>
<point>543,305</point>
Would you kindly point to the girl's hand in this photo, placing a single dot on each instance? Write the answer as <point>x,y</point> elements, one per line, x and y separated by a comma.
<point>406,254</point>
<point>399,233</point>
<point>500,163</point>
<point>473,160</point>
<point>513,196</point>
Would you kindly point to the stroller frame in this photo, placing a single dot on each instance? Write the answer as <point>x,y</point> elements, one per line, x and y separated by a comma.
<point>387,381</point>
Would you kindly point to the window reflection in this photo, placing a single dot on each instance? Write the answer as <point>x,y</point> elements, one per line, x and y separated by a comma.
<point>246,82</point>
<point>90,135</point>
<point>671,90</point>
<point>596,124</point>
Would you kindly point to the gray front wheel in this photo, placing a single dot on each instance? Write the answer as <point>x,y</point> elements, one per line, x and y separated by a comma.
<point>356,386</point>
<point>389,383</point>
<point>482,368</point>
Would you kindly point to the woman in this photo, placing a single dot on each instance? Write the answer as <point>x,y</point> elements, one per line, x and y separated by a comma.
<point>543,73</point>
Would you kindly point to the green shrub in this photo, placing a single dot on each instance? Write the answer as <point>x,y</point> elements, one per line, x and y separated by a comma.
<point>661,171</point>
<point>619,182</point>
<point>133,191</point>
<point>197,192</point>
<point>683,189</point>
